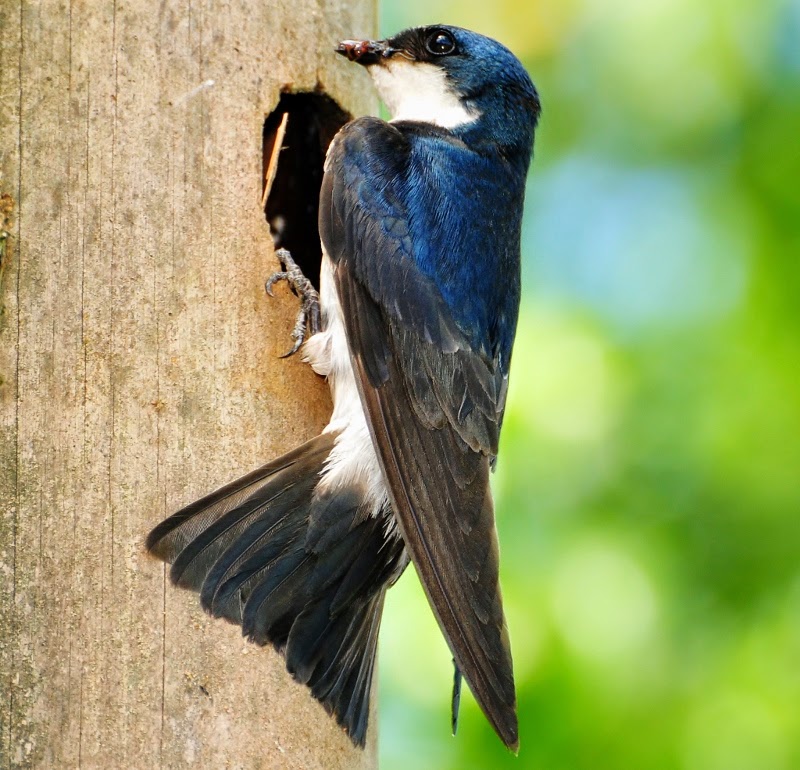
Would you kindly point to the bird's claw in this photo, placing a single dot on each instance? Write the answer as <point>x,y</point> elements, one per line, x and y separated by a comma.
<point>308,318</point>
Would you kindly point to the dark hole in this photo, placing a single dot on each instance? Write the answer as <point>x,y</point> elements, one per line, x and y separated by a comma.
<point>293,202</point>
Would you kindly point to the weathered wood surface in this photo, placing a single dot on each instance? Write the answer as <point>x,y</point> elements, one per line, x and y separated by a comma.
<point>139,369</point>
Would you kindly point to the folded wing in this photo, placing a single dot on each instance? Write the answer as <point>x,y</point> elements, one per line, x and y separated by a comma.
<point>434,401</point>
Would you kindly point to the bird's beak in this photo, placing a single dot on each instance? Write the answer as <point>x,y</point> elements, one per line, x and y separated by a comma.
<point>366,52</point>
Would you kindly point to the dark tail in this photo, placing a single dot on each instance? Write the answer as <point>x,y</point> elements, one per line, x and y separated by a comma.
<point>306,573</point>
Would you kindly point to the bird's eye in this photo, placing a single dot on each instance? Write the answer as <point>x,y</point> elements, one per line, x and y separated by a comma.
<point>440,43</point>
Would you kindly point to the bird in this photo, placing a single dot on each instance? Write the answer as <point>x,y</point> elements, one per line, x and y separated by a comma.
<point>413,327</point>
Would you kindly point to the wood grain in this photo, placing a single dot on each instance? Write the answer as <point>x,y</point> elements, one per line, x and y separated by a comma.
<point>139,370</point>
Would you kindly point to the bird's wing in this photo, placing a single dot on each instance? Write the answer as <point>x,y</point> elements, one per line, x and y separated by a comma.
<point>433,404</point>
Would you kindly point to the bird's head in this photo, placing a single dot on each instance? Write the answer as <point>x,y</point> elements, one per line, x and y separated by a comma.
<point>453,78</point>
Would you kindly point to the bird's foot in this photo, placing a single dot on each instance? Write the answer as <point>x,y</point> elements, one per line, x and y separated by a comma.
<point>308,319</point>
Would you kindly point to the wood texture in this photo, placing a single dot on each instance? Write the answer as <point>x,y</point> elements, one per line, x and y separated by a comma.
<point>139,369</point>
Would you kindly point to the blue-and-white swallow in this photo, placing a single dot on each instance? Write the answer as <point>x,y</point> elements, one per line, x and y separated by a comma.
<point>419,220</point>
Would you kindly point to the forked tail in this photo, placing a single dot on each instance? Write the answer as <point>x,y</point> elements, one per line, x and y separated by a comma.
<point>303,571</point>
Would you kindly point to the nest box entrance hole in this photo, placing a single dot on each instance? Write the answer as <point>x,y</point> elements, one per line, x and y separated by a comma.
<point>295,139</point>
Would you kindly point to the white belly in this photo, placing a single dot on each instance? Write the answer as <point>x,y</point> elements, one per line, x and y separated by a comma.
<point>352,462</point>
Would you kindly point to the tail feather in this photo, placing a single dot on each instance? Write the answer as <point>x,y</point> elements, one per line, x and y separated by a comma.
<point>231,580</point>
<point>257,515</point>
<point>366,571</point>
<point>342,678</point>
<point>277,597</point>
<point>306,573</point>
<point>173,534</point>
<point>304,646</point>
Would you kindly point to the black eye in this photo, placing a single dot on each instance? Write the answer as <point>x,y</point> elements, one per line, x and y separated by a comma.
<point>440,43</point>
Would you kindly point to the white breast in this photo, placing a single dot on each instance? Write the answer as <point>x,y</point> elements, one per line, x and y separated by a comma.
<point>353,461</point>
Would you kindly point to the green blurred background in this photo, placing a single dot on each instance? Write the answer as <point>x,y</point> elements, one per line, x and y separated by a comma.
<point>648,487</point>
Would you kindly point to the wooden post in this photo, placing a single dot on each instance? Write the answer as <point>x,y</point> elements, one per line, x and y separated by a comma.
<point>139,369</point>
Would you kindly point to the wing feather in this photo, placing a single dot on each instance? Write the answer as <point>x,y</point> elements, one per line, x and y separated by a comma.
<point>434,402</point>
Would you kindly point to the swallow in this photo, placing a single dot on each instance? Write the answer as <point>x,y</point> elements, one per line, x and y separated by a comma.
<point>413,327</point>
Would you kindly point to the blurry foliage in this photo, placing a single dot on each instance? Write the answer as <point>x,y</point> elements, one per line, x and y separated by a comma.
<point>648,487</point>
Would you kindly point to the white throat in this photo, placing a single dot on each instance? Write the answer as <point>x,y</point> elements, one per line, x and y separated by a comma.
<point>419,91</point>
